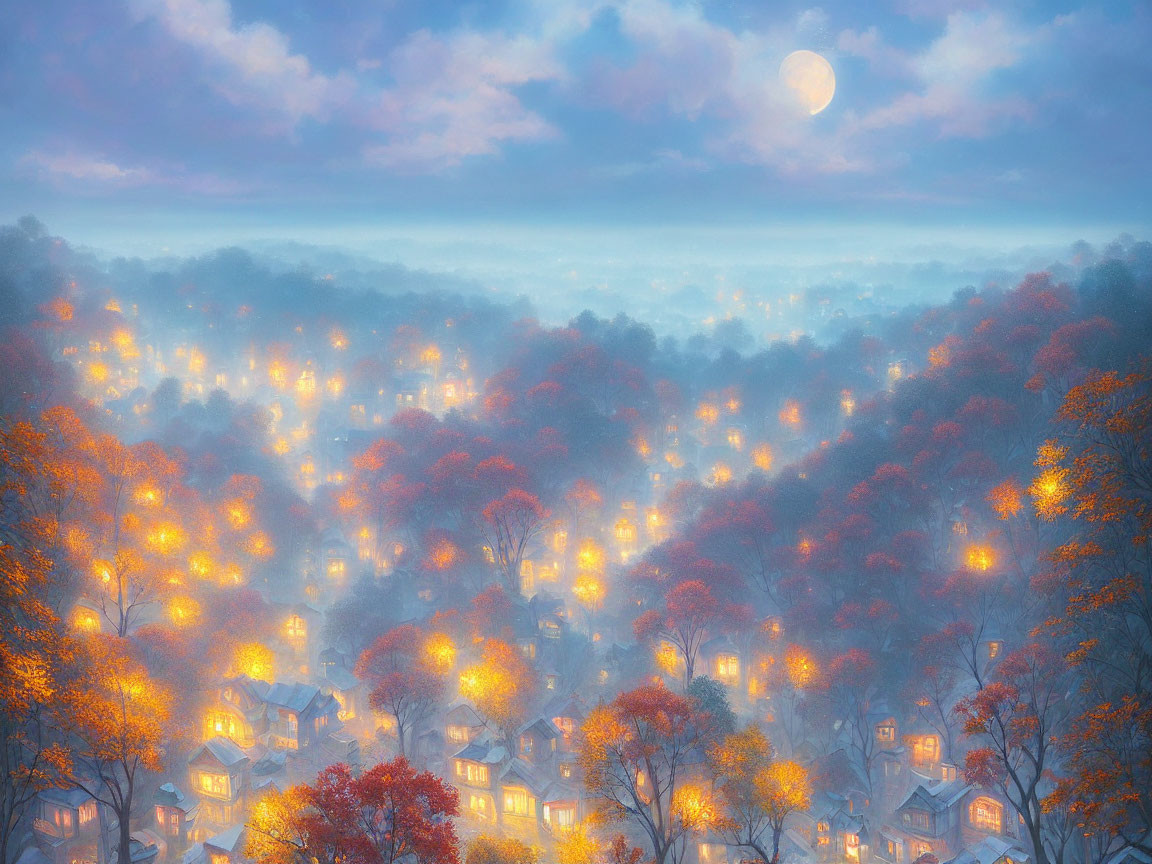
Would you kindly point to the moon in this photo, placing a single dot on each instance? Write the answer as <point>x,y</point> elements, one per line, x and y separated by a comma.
<point>809,80</point>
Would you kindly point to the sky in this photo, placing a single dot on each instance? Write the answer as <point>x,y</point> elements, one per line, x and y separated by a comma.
<point>140,125</point>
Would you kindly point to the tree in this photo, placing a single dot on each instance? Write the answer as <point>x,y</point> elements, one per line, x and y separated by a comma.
<point>1096,480</point>
<point>114,716</point>
<point>1014,720</point>
<point>404,680</point>
<point>510,522</point>
<point>500,687</point>
<point>388,814</point>
<point>759,792</point>
<point>688,612</point>
<point>32,654</point>
<point>710,700</point>
<point>487,849</point>
<point>633,753</point>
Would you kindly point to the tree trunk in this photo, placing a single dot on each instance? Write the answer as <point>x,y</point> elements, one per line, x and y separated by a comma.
<point>124,853</point>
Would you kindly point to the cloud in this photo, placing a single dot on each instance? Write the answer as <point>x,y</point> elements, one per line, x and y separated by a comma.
<point>453,97</point>
<point>75,166</point>
<point>71,166</point>
<point>254,63</point>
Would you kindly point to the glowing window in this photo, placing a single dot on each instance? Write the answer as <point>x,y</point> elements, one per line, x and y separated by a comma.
<point>986,814</point>
<point>518,801</point>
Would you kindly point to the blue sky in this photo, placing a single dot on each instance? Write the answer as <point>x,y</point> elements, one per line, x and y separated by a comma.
<point>290,114</point>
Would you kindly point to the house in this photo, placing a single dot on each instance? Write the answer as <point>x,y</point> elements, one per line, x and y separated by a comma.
<point>176,816</point>
<point>347,690</point>
<point>536,741</point>
<point>462,725</point>
<point>238,711</point>
<point>722,660</point>
<point>218,771</point>
<point>299,715</point>
<point>521,799</point>
<point>67,826</point>
<point>944,818</point>
<point>991,850</point>
<point>474,770</point>
<point>227,847</point>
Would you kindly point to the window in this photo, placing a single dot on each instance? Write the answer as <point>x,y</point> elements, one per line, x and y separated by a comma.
<point>528,649</point>
<point>993,650</point>
<point>895,851</point>
<point>948,772</point>
<point>218,858</point>
<point>526,745</point>
<point>728,668</point>
<point>478,804</point>
<point>925,749</point>
<point>917,819</point>
<point>565,770</point>
<point>293,726</point>
<point>457,734</point>
<point>222,723</point>
<point>712,853</point>
<point>61,819</point>
<point>560,815</point>
<point>822,827</point>
<point>214,784</point>
<point>87,812</point>
<point>822,841</point>
<point>518,801</point>
<point>297,628</point>
<point>472,773</point>
<point>886,732</point>
<point>920,848</point>
<point>986,814</point>
<point>550,681</point>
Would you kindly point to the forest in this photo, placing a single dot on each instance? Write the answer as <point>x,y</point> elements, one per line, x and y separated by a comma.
<point>297,572</point>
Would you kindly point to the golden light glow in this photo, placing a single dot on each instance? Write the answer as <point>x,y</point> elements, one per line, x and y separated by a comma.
<point>790,413</point>
<point>667,660</point>
<point>85,620</point>
<point>195,361</point>
<point>281,447</point>
<point>165,538</point>
<point>847,403</point>
<point>732,406</point>
<point>895,372</point>
<point>430,355</point>
<point>183,611</point>
<point>707,413</point>
<point>339,340</point>
<point>643,448</point>
<point>306,384</point>
<point>200,564</point>
<point>334,385</point>
<point>238,513</point>
<point>254,660</point>
<point>590,557</point>
<point>692,806</point>
<point>277,374</point>
<point>736,439</point>
<point>259,545</point>
<point>721,474</point>
<point>443,554</point>
<point>1049,492</point>
<point>147,496</point>
<point>589,590</point>
<point>801,668</point>
<point>441,652</point>
<point>981,558</point>
<point>98,372</point>
<point>762,457</point>
<point>809,80</point>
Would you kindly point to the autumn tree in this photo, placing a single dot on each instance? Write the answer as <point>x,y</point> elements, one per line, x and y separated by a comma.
<point>690,609</point>
<point>510,522</point>
<point>633,753</point>
<point>490,849</point>
<point>390,813</point>
<point>115,718</point>
<point>1014,721</point>
<point>404,679</point>
<point>32,654</point>
<point>759,792</point>
<point>501,686</point>
<point>1095,482</point>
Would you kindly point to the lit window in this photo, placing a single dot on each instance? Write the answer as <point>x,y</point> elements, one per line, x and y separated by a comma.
<point>526,745</point>
<point>886,732</point>
<point>728,668</point>
<point>457,734</point>
<point>518,802</point>
<point>986,814</point>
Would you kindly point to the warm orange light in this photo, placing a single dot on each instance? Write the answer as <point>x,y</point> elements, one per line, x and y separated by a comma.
<point>281,447</point>
<point>85,620</point>
<point>441,652</point>
<point>590,557</point>
<point>334,385</point>
<point>800,667</point>
<point>735,439</point>
<point>277,374</point>
<point>339,340</point>
<point>762,457</point>
<point>721,474</point>
<point>643,448</point>
<point>254,660</point>
<point>732,405</point>
<point>1049,492</point>
<point>443,554</point>
<point>98,372</point>
<point>895,372</point>
<point>147,496</point>
<point>847,403</point>
<point>981,558</point>
<point>200,565</point>
<point>195,361</point>
<point>430,355</point>
<point>707,413</point>
<point>259,545</point>
<point>306,384</point>
<point>790,413</point>
<point>165,538</point>
<point>183,611</point>
<point>62,309</point>
<point>667,660</point>
<point>238,513</point>
<point>693,808</point>
<point>589,590</point>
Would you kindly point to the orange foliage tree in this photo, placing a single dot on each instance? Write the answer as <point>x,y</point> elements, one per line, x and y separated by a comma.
<point>500,686</point>
<point>115,717</point>
<point>1101,579</point>
<point>387,814</point>
<point>759,792</point>
<point>634,752</point>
